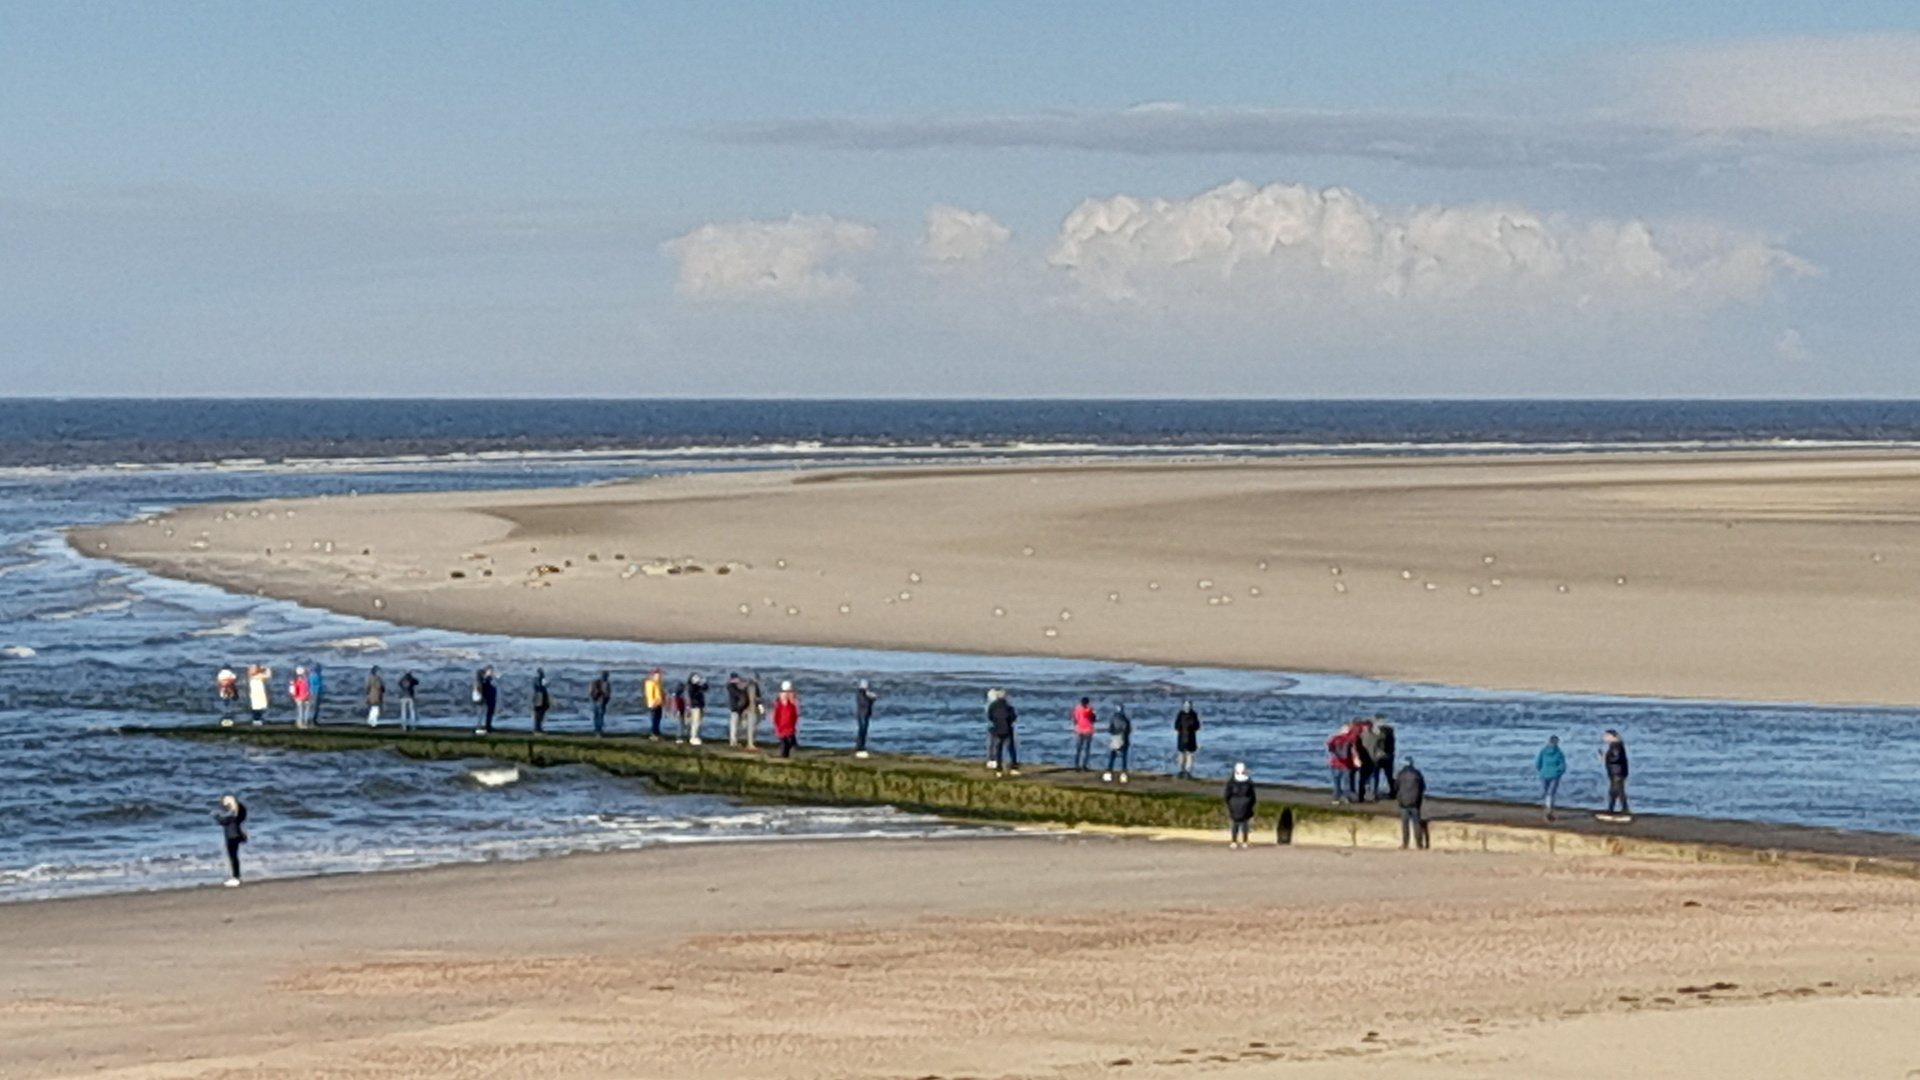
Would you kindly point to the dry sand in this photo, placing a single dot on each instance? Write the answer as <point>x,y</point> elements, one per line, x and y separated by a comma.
<point>1035,957</point>
<point>1763,577</point>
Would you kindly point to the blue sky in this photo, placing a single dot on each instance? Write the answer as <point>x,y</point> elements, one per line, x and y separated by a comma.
<point>1003,199</point>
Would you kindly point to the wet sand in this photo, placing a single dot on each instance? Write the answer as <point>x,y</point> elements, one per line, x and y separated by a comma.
<point>1018,957</point>
<point>1784,577</point>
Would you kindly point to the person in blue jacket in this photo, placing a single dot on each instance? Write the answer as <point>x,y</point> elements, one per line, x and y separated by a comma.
<point>1551,765</point>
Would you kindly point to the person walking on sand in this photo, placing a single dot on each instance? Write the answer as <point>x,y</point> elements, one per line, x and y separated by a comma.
<point>1001,748</point>
<point>1410,791</point>
<point>300,692</point>
<point>232,817</point>
<point>863,699</point>
<point>1340,757</point>
<point>486,692</point>
<point>1119,742</point>
<point>1241,797</point>
<point>1084,722</point>
<point>736,708</point>
<point>409,685</point>
<point>599,696</point>
<point>1550,764</point>
<point>376,696</point>
<point>541,701</point>
<point>786,719</point>
<point>258,677</point>
<point>756,708</point>
<point>654,693</point>
<point>1369,746</point>
<point>1614,755</point>
<point>227,684</point>
<point>1186,734</point>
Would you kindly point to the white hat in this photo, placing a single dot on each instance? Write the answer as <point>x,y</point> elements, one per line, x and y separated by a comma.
<point>786,686</point>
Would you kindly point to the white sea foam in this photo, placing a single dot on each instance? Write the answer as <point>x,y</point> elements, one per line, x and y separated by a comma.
<point>19,652</point>
<point>235,627</point>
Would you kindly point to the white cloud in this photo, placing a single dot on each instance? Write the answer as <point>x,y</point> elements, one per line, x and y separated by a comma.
<point>792,259</point>
<point>1286,248</point>
<point>955,235</point>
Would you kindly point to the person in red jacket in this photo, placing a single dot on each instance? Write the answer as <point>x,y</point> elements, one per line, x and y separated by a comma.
<point>786,719</point>
<point>1342,754</point>
<point>1083,725</point>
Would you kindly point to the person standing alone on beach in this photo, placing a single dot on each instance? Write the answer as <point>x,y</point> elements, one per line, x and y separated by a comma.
<point>232,817</point>
<point>1000,744</point>
<point>1186,733</point>
<point>599,695</point>
<point>409,689</point>
<point>1119,742</point>
<point>541,701</point>
<point>1550,764</point>
<point>1614,756</point>
<point>654,693</point>
<point>1410,791</point>
<point>786,719</point>
<point>1084,722</point>
<point>376,696</point>
<point>1240,796</point>
<point>863,699</point>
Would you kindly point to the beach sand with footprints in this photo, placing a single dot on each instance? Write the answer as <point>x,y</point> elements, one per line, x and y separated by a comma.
<point>1781,576</point>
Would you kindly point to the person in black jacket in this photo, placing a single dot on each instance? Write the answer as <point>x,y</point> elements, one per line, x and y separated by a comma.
<point>1000,744</point>
<point>1410,791</point>
<point>1384,773</point>
<point>863,699</point>
<point>1186,730</point>
<point>599,696</point>
<point>409,692</point>
<point>1240,797</point>
<point>1614,755</point>
<point>696,706</point>
<point>542,699</point>
<point>736,709</point>
<point>232,817</point>
<point>486,694</point>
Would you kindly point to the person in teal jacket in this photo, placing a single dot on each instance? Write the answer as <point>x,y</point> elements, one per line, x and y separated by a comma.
<point>1551,765</point>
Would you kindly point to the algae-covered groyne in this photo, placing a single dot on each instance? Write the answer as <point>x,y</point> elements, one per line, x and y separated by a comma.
<point>1153,804</point>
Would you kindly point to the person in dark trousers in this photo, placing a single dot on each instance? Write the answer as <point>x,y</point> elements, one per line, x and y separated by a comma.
<point>756,708</point>
<point>1550,764</point>
<point>1084,723</point>
<point>1186,734</point>
<point>1000,742</point>
<point>541,700</point>
<point>599,696</point>
<point>1614,755</point>
<point>232,817</point>
<point>409,685</point>
<point>1240,797</point>
<point>1369,777</point>
<point>486,694</point>
<point>786,719</point>
<point>316,689</point>
<point>1410,791</point>
<point>376,697</point>
<point>863,699</point>
<point>654,693</point>
<point>1119,742</point>
<point>1383,770</point>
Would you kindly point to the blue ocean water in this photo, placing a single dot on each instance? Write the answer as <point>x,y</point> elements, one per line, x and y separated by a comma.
<point>88,645</point>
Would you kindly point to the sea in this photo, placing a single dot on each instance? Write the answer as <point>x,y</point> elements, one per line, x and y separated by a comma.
<point>89,646</point>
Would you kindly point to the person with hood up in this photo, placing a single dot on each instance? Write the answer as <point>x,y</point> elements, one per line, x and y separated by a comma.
<point>1410,791</point>
<point>409,692</point>
<point>786,719</point>
<point>300,692</point>
<point>654,693</point>
<point>599,696</point>
<point>736,708</point>
<point>376,696</point>
<point>1186,733</point>
<point>1084,722</point>
<point>258,678</point>
<point>1119,742</point>
<point>863,699</point>
<point>1550,764</point>
<point>1000,742</point>
<point>1241,797</point>
<point>486,694</point>
<point>232,818</point>
<point>1614,756</point>
<point>228,686</point>
<point>542,700</point>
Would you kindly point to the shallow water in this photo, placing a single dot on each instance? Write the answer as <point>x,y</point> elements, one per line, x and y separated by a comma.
<point>89,645</point>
